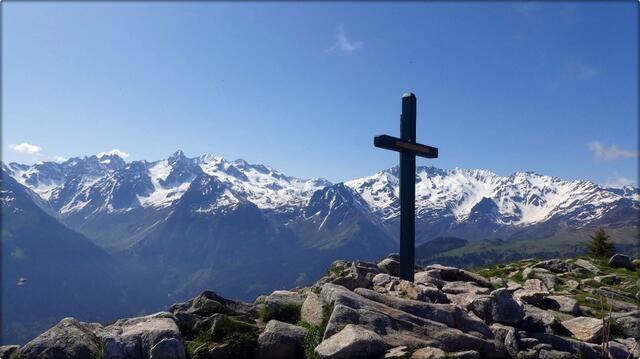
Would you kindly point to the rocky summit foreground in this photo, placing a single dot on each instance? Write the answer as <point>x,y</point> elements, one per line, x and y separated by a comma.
<point>581,308</point>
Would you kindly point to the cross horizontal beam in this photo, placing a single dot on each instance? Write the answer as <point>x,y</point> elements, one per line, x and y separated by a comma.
<point>396,144</point>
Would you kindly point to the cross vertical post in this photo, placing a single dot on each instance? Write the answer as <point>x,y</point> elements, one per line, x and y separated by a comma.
<point>409,149</point>
<point>407,188</point>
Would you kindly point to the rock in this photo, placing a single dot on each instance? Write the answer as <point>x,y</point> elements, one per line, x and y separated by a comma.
<point>381,279</point>
<point>506,336</point>
<point>554,354</point>
<point>512,286</point>
<point>126,337</point>
<point>433,294</point>
<point>633,346</point>
<point>167,348</point>
<point>406,326</point>
<point>586,350</point>
<point>459,287</point>
<point>281,340</point>
<point>586,329</point>
<point>540,320</point>
<point>397,353</point>
<point>429,353</point>
<point>535,285</point>
<point>607,279</point>
<point>468,354</point>
<point>555,265</point>
<point>612,293</point>
<point>529,296</point>
<point>69,338</point>
<point>6,351</point>
<point>430,277</point>
<point>592,300</point>
<point>410,290</point>
<point>528,343</point>
<point>352,342</point>
<point>498,307</point>
<point>621,261</point>
<point>618,350</point>
<point>313,309</point>
<point>628,325</point>
<point>585,264</point>
<point>572,285</point>
<point>452,274</point>
<point>562,304</point>
<point>549,279</point>
<point>352,275</point>
<point>281,305</point>
<point>391,266</point>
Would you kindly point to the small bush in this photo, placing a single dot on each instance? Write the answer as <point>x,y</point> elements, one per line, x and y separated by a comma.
<point>600,245</point>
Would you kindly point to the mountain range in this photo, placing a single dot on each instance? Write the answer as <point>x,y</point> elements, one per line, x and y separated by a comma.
<point>178,225</point>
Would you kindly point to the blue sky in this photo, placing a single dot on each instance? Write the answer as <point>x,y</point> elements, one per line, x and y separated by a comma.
<point>508,87</point>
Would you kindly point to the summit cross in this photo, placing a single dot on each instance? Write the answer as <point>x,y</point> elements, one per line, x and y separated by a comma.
<point>408,149</point>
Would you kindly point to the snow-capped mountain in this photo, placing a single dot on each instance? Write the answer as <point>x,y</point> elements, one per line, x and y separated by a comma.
<point>87,190</point>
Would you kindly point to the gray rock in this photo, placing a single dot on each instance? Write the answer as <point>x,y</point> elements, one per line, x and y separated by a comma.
<point>429,353</point>
<point>281,341</point>
<point>468,354</point>
<point>69,338</point>
<point>586,329</point>
<point>356,274</point>
<point>528,343</point>
<point>6,351</point>
<point>607,279</point>
<point>530,296</point>
<point>498,282</point>
<point>629,325</point>
<point>452,274</point>
<point>621,261</point>
<point>433,294</point>
<point>381,279</point>
<point>587,350</point>
<point>499,307</point>
<point>352,342</point>
<point>390,266</point>
<point>167,348</point>
<point>459,287</point>
<point>399,328</point>
<point>549,279</point>
<point>429,277</point>
<point>535,285</point>
<point>507,338</point>
<point>139,336</point>
<point>572,285</point>
<point>554,354</point>
<point>313,309</point>
<point>618,350</point>
<point>562,304</point>
<point>585,264</point>
<point>540,320</point>
<point>555,265</point>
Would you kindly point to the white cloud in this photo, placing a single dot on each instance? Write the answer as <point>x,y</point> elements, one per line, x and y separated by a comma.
<point>619,182</point>
<point>602,152</point>
<point>114,151</point>
<point>344,44</point>
<point>26,148</point>
<point>59,159</point>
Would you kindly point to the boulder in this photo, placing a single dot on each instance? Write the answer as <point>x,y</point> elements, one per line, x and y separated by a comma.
<point>155,334</point>
<point>554,354</point>
<point>313,309</point>
<point>621,261</point>
<point>530,296</point>
<point>572,285</point>
<point>628,324</point>
<point>452,274</point>
<point>429,277</point>
<point>585,350</point>
<point>562,304</point>
<point>585,264</point>
<point>459,287</point>
<point>506,336</point>
<point>352,275</point>
<point>555,265</point>
<point>540,320</point>
<point>352,342</point>
<point>429,353</point>
<point>467,354</point>
<point>535,285</point>
<point>499,307</point>
<point>498,282</point>
<point>283,305</point>
<point>549,279</point>
<point>69,338</point>
<point>586,329</point>
<point>281,340</point>
<point>390,266</point>
<point>380,279</point>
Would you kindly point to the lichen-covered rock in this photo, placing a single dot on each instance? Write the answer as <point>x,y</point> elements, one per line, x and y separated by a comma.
<point>429,353</point>
<point>352,342</point>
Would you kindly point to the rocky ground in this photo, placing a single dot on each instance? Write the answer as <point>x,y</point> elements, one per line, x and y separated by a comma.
<point>575,308</point>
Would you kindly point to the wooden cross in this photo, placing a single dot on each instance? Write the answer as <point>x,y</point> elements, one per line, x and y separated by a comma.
<point>408,149</point>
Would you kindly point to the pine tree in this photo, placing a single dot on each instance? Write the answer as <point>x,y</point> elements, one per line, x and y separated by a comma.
<point>601,245</point>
